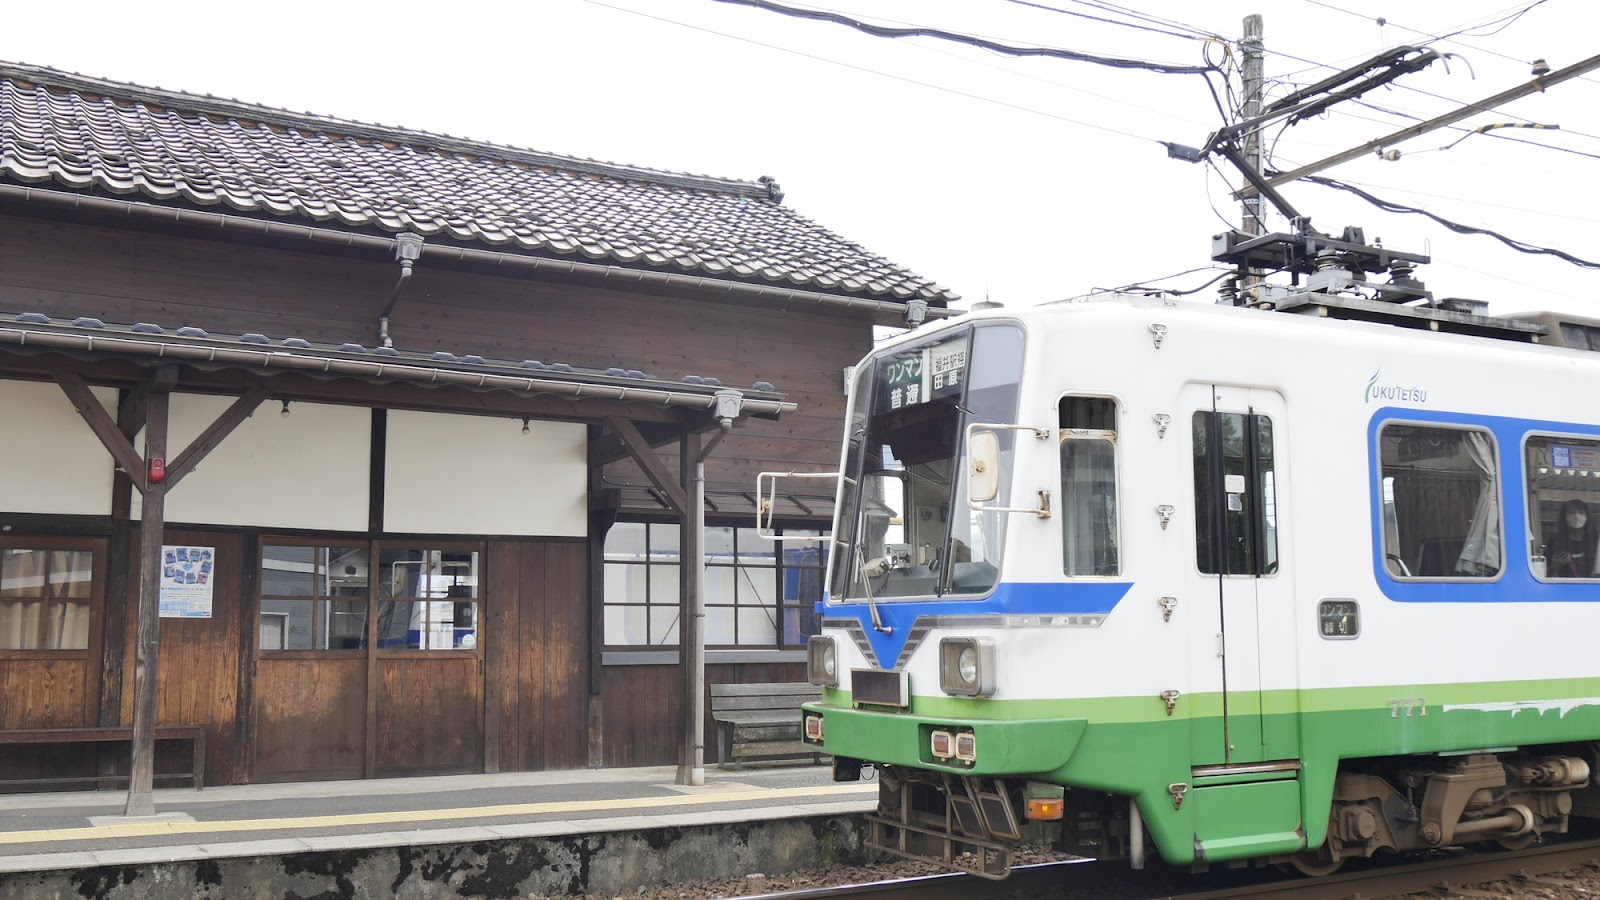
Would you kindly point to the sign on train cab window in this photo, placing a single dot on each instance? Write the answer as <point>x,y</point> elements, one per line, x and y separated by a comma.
<point>922,375</point>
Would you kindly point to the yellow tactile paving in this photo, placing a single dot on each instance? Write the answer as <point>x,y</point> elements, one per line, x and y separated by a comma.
<point>147,829</point>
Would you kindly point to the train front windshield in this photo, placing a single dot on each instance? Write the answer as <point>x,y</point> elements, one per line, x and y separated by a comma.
<point>905,528</point>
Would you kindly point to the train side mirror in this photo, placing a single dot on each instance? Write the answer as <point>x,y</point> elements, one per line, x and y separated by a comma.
<point>983,466</point>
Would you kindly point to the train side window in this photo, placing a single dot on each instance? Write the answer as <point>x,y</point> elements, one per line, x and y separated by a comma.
<point>1235,492</point>
<point>1441,502</point>
<point>1089,486</point>
<point>1563,499</point>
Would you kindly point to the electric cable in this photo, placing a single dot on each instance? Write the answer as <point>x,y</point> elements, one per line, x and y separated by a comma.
<point>1368,186</point>
<point>1168,291</point>
<point>880,73</point>
<point>1467,132</point>
<point>1390,206</point>
<point>1146,17</point>
<point>1067,12</point>
<point>885,31</point>
<point>1433,37</point>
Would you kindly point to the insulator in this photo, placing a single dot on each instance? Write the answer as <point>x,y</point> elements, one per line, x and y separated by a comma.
<point>1228,293</point>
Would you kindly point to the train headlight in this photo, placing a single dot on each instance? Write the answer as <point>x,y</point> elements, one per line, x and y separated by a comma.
<point>822,661</point>
<point>966,666</point>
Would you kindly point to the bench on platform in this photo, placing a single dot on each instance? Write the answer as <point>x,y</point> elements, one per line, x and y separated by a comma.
<point>761,721</point>
<point>194,734</point>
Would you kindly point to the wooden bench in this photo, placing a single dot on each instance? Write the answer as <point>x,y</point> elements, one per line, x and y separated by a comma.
<point>194,734</point>
<point>761,721</point>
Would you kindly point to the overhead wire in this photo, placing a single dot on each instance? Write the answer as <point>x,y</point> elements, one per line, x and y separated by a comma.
<point>1146,17</point>
<point>1368,186</point>
<point>882,74</point>
<point>1431,36</point>
<point>1507,20</point>
<point>1067,12</point>
<point>1471,131</point>
<point>887,31</point>
<point>1459,228</point>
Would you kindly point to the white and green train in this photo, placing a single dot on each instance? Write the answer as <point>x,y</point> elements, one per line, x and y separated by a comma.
<point>1223,583</point>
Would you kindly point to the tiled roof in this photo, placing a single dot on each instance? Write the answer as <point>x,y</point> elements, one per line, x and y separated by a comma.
<point>37,332</point>
<point>181,149</point>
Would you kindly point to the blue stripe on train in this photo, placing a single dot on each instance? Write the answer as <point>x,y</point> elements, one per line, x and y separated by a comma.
<point>1010,598</point>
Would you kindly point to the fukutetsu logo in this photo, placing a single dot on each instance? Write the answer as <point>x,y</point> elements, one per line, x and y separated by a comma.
<point>1379,391</point>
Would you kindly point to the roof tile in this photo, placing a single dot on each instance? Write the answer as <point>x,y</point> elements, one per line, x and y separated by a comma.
<point>86,134</point>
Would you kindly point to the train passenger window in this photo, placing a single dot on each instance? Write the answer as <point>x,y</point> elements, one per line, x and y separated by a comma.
<point>1089,486</point>
<point>1441,502</point>
<point>1563,500</point>
<point>1235,492</point>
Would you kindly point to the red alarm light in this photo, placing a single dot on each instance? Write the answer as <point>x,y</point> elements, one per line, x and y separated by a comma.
<point>158,470</point>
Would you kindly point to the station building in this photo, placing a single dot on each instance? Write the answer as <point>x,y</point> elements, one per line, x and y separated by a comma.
<point>413,415</point>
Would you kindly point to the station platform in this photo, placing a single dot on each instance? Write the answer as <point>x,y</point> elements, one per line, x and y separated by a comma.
<point>62,831</point>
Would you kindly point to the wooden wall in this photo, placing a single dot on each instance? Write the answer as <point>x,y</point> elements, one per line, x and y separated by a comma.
<point>531,702</point>
<point>641,706</point>
<point>198,675</point>
<point>68,270</point>
<point>537,656</point>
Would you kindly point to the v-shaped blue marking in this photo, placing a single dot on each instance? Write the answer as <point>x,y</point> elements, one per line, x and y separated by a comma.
<point>1013,598</point>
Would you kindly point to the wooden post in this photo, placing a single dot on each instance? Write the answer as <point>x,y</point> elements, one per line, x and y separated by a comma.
<point>691,566</point>
<point>152,528</point>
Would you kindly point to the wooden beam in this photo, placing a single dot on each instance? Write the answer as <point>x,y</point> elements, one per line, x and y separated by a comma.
<point>147,648</point>
<point>131,411</point>
<point>653,467</point>
<point>99,421</point>
<point>214,435</point>
<point>609,448</point>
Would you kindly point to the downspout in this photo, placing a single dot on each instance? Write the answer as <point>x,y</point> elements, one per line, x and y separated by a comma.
<point>694,642</point>
<point>407,250</point>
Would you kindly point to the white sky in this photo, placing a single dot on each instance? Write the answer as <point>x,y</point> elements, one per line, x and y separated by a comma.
<point>989,179</point>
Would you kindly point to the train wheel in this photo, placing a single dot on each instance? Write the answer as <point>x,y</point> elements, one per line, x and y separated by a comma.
<point>1520,842</point>
<point>1315,863</point>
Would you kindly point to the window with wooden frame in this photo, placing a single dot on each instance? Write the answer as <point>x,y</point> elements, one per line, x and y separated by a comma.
<point>428,597</point>
<point>317,596</point>
<point>47,595</point>
<point>758,593</point>
<point>314,597</point>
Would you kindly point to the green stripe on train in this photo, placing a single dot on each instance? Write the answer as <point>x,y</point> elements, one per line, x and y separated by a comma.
<point>1130,746</point>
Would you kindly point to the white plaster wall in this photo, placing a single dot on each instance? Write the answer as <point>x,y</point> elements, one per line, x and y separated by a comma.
<point>305,470</point>
<point>478,475</point>
<point>50,462</point>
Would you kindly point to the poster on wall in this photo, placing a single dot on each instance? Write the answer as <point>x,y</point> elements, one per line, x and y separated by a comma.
<point>186,582</point>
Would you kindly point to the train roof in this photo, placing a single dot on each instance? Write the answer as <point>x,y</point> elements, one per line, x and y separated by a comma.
<point>1537,331</point>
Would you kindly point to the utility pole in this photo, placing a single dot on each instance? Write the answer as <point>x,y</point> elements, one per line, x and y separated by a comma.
<point>1251,52</point>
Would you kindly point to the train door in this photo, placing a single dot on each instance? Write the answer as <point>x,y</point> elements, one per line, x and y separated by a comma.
<point>1236,433</point>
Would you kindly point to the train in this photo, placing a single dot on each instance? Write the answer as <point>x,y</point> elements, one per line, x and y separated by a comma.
<point>1297,579</point>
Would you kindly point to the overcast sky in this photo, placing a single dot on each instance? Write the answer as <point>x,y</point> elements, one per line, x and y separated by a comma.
<point>1019,180</point>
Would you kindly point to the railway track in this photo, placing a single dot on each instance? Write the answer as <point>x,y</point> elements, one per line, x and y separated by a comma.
<point>1115,882</point>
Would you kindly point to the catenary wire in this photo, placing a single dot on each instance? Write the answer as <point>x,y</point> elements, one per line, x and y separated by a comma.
<point>1067,12</point>
<point>1146,17</point>
<point>1433,37</point>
